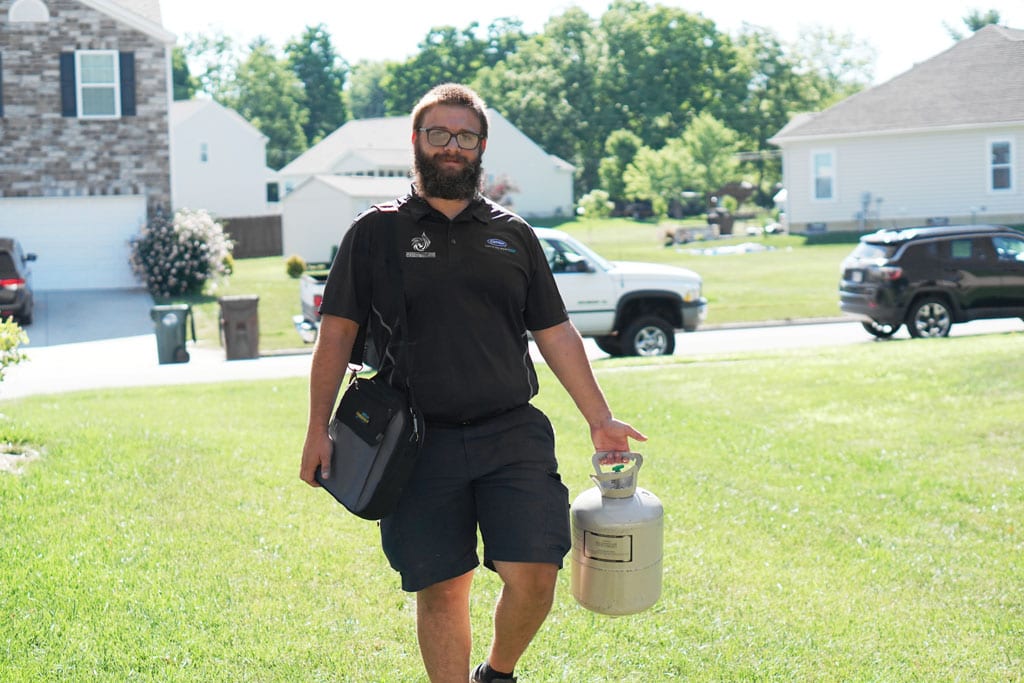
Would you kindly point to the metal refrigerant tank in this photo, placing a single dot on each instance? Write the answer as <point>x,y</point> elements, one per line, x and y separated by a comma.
<point>617,536</point>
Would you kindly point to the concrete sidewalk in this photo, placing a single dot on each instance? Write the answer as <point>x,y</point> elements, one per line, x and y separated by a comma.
<point>96,339</point>
<point>133,362</point>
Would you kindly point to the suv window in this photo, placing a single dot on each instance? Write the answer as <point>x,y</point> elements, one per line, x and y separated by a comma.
<point>971,249</point>
<point>866,251</point>
<point>920,255</point>
<point>1009,249</point>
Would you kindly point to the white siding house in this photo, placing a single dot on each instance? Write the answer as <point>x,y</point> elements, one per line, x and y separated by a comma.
<point>939,143</point>
<point>218,161</point>
<point>381,148</point>
<point>318,212</point>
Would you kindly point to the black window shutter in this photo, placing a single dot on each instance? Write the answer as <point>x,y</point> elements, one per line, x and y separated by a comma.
<point>127,83</point>
<point>1,85</point>
<point>68,103</point>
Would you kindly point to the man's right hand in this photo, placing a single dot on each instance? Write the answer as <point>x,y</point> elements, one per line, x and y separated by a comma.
<point>316,452</point>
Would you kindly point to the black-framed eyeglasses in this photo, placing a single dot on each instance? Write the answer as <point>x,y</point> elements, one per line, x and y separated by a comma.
<point>440,137</point>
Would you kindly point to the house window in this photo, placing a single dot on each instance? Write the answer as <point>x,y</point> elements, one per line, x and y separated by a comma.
<point>204,152</point>
<point>27,11</point>
<point>823,174</point>
<point>273,193</point>
<point>1001,165</point>
<point>97,84</point>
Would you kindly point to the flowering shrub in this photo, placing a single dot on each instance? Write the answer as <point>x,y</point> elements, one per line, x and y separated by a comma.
<point>179,256</point>
<point>11,337</point>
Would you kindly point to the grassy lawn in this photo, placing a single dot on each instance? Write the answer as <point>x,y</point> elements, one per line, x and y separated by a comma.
<point>854,514</point>
<point>788,280</point>
<point>791,280</point>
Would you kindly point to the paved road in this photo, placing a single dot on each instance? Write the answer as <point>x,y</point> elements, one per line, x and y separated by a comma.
<point>795,336</point>
<point>109,343</point>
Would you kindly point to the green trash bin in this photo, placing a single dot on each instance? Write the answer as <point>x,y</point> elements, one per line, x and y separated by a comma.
<point>240,326</point>
<point>170,323</point>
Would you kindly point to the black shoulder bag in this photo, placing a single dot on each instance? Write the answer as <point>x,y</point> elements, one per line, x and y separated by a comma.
<point>377,430</point>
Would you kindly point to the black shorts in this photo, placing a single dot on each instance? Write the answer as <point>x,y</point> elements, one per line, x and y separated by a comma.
<point>499,475</point>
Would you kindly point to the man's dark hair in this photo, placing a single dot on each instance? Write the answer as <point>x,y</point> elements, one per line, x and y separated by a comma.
<point>452,94</point>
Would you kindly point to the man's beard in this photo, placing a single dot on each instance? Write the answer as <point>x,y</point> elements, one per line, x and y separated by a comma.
<point>435,181</point>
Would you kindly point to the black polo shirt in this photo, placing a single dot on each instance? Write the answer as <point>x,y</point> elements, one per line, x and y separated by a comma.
<point>473,287</point>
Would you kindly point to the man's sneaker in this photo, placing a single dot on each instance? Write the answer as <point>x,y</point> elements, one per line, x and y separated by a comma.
<point>478,676</point>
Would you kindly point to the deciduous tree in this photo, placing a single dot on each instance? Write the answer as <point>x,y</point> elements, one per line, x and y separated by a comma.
<point>322,72</point>
<point>269,95</point>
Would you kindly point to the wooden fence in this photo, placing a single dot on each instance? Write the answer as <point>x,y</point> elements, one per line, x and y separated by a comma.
<point>254,236</point>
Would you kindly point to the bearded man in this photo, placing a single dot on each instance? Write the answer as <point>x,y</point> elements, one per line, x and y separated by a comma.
<point>475,285</point>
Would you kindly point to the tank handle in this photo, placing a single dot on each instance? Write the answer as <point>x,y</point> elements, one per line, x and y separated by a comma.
<point>621,481</point>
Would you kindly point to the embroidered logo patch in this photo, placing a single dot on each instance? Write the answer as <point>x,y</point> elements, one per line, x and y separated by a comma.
<point>500,245</point>
<point>420,245</point>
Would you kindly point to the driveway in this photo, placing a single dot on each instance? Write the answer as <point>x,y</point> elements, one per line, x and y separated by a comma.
<point>71,316</point>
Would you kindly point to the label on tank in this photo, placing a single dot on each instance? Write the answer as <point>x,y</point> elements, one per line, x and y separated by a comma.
<point>607,548</point>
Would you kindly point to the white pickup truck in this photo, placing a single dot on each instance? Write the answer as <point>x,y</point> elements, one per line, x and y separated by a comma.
<point>629,308</point>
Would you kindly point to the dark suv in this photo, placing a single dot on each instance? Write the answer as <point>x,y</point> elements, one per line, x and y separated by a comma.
<point>15,282</point>
<point>932,277</point>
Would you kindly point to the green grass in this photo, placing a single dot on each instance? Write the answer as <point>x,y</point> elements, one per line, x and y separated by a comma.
<point>854,514</point>
<point>792,280</point>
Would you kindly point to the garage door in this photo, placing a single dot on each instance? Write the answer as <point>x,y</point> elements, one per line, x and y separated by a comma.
<point>80,242</point>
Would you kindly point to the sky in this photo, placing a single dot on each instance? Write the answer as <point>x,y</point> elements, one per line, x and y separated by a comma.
<point>902,33</point>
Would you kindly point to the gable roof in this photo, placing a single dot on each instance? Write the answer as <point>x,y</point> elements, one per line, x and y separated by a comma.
<point>149,9</point>
<point>977,82</point>
<point>385,143</point>
<point>359,186</point>
<point>142,15</point>
<point>386,138</point>
<point>183,110</point>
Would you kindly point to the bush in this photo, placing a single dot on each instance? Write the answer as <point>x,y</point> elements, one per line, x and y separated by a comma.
<point>295,266</point>
<point>180,256</point>
<point>11,337</point>
<point>596,204</point>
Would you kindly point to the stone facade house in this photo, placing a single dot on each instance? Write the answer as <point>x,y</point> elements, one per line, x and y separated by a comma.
<point>85,90</point>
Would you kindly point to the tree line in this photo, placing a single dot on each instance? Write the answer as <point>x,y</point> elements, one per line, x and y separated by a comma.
<point>648,102</point>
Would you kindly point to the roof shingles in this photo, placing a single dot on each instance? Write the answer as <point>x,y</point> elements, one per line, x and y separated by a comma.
<point>978,81</point>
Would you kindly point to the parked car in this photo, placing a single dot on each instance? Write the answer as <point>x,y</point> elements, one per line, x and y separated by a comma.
<point>629,308</point>
<point>930,278</point>
<point>16,299</point>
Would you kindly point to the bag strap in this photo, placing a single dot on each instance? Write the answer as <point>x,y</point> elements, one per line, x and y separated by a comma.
<point>393,268</point>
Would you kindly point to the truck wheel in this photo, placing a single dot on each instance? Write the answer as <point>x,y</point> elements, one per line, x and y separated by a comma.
<point>930,317</point>
<point>609,344</point>
<point>649,336</point>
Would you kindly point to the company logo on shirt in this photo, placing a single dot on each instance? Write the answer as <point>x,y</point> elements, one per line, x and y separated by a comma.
<point>420,245</point>
<point>500,245</point>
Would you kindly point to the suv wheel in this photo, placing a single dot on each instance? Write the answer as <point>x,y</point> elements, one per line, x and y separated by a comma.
<point>930,317</point>
<point>649,336</point>
<point>880,330</point>
<point>609,344</point>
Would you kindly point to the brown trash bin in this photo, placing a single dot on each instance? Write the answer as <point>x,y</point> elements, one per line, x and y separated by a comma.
<point>240,326</point>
